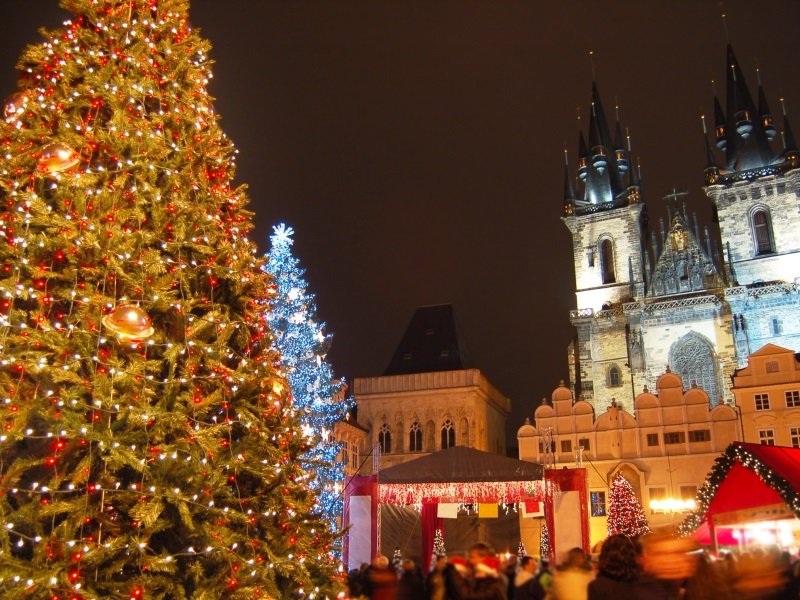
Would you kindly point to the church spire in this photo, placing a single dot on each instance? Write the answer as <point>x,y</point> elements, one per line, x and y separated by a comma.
<point>603,161</point>
<point>747,144</point>
<point>712,170</point>
<point>569,190</point>
<point>790,152</point>
<point>763,110</point>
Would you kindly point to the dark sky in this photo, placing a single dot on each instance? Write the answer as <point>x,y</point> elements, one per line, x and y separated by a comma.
<point>417,147</point>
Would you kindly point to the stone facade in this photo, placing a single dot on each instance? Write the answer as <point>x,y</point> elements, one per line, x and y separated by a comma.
<point>677,296</point>
<point>665,447</point>
<point>353,438</point>
<point>448,408</point>
<point>767,394</point>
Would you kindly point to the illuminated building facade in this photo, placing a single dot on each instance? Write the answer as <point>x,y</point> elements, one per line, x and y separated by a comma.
<point>676,294</point>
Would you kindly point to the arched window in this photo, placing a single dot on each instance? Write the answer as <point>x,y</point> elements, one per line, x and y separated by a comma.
<point>385,439</point>
<point>614,377</point>
<point>762,232</point>
<point>448,435</point>
<point>415,438</point>
<point>776,327</point>
<point>463,431</point>
<point>692,357</point>
<point>607,261</point>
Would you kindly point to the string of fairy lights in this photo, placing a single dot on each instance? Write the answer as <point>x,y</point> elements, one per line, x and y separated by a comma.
<point>722,466</point>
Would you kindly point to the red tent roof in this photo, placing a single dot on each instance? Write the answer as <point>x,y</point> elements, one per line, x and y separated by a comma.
<point>747,476</point>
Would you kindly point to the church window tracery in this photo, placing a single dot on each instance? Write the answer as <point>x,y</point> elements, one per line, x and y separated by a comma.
<point>385,439</point>
<point>448,434</point>
<point>415,438</point>
<point>692,357</point>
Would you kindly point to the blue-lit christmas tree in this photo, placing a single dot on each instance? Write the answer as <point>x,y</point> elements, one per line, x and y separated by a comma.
<point>318,396</point>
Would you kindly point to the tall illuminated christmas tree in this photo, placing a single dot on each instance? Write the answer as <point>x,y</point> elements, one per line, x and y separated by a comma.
<point>625,514</point>
<point>149,448</point>
<point>303,344</point>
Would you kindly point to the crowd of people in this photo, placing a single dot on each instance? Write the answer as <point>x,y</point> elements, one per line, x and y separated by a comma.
<point>657,566</point>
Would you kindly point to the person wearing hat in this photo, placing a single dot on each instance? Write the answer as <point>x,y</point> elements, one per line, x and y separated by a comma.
<point>485,583</point>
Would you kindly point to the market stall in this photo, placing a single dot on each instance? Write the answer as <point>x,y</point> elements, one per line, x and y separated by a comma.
<point>751,496</point>
<point>441,485</point>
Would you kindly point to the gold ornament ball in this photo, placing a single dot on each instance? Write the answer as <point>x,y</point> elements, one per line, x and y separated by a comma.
<point>57,157</point>
<point>129,323</point>
<point>15,106</point>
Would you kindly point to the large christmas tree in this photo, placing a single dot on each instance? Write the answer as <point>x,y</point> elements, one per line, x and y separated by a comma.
<point>625,514</point>
<point>149,448</point>
<point>316,394</point>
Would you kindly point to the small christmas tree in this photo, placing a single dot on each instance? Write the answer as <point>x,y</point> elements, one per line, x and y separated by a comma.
<point>317,396</point>
<point>438,547</point>
<point>149,446</point>
<point>521,551</point>
<point>397,561</point>
<point>625,514</point>
<point>544,542</point>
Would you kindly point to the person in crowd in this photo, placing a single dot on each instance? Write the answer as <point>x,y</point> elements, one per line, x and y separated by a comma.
<point>510,569</point>
<point>435,582</point>
<point>617,570</point>
<point>357,582</point>
<point>486,582</point>
<point>411,585</point>
<point>709,581</point>
<point>761,576</point>
<point>381,579</point>
<point>667,563</point>
<point>526,584</point>
<point>572,577</point>
<point>544,575</point>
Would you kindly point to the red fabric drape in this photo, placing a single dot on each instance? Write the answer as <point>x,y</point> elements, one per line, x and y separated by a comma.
<point>361,485</point>
<point>430,523</point>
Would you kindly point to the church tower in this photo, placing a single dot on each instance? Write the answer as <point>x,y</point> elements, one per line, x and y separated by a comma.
<point>608,223</point>
<point>674,297</point>
<point>754,185</point>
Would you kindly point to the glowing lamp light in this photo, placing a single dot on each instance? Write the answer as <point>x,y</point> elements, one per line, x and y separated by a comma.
<point>129,323</point>
<point>57,157</point>
<point>15,106</point>
<point>673,505</point>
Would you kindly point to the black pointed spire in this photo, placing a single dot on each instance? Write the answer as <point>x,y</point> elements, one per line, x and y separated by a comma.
<point>569,190</point>
<point>747,141</point>
<point>720,129</point>
<point>764,113</point>
<point>712,170</point>
<point>600,164</point>
<point>790,152</point>
<point>583,158</point>
<point>623,163</point>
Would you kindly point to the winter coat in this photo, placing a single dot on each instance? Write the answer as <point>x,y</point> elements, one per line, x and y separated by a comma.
<point>605,588</point>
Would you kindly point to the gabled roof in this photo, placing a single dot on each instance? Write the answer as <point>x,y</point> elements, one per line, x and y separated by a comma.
<point>747,476</point>
<point>430,343</point>
<point>460,465</point>
<point>771,349</point>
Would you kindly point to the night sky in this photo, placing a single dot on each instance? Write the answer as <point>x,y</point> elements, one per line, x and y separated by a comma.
<point>417,147</point>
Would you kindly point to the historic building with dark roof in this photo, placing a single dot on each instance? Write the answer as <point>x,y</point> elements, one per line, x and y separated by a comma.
<point>676,294</point>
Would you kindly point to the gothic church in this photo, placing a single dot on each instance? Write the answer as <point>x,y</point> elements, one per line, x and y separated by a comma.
<point>676,295</point>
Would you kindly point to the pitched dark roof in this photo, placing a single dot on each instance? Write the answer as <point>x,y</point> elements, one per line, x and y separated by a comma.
<point>460,465</point>
<point>430,343</point>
